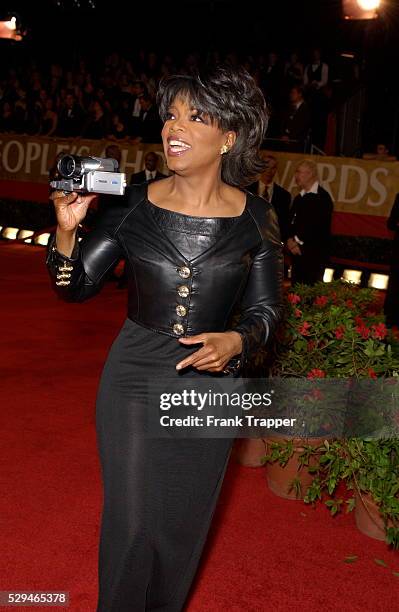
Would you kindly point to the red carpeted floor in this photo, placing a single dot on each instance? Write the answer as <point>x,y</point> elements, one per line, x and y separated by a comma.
<point>263,553</point>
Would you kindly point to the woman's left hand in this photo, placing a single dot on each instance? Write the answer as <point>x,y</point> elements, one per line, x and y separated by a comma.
<point>216,352</point>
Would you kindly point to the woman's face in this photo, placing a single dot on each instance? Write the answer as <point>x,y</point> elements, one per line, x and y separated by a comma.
<point>191,143</point>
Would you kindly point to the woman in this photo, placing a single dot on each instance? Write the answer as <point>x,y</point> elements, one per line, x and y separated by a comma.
<point>195,244</point>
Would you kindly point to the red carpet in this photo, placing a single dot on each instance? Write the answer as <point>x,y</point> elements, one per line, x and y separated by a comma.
<point>263,553</point>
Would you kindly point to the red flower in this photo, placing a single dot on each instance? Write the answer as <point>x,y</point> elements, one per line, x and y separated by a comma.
<point>379,331</point>
<point>298,313</point>
<point>359,320</point>
<point>349,303</point>
<point>339,332</point>
<point>371,373</point>
<point>321,300</point>
<point>293,298</point>
<point>363,331</point>
<point>304,328</point>
<point>316,373</point>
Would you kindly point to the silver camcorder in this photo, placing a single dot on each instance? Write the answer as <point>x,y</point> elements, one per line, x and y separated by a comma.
<point>89,175</point>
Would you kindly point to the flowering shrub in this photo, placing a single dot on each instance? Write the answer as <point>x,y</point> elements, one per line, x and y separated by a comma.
<point>334,330</point>
<point>337,330</point>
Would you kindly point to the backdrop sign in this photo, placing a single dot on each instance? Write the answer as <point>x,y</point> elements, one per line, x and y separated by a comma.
<point>363,191</point>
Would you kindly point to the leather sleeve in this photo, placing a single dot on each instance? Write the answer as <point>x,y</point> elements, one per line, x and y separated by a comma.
<point>82,275</point>
<point>262,302</point>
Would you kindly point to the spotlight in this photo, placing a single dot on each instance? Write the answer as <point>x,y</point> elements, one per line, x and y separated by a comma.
<point>10,232</point>
<point>352,276</point>
<point>23,233</point>
<point>328,275</point>
<point>10,28</point>
<point>378,281</point>
<point>42,239</point>
<point>361,9</point>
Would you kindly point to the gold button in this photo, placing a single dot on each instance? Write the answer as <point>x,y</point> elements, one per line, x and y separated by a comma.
<point>65,268</point>
<point>178,329</point>
<point>64,275</point>
<point>181,310</point>
<point>62,282</point>
<point>184,271</point>
<point>183,291</point>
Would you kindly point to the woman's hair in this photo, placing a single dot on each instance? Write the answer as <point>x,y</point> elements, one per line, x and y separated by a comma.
<point>231,99</point>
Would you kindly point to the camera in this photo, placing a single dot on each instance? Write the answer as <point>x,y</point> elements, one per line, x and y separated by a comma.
<point>89,175</point>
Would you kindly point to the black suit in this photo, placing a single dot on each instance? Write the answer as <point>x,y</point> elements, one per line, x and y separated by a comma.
<point>281,201</point>
<point>296,123</point>
<point>140,177</point>
<point>310,221</point>
<point>149,126</point>
<point>391,304</point>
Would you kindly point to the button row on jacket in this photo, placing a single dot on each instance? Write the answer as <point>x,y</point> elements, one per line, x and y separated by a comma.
<point>183,291</point>
<point>64,273</point>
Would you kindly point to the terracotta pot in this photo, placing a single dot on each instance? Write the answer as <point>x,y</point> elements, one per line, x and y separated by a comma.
<point>248,451</point>
<point>279,478</point>
<point>367,516</point>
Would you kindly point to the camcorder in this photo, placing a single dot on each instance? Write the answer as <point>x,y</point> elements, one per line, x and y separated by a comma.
<point>89,175</point>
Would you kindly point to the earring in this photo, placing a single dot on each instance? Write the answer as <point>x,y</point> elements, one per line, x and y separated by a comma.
<point>224,149</point>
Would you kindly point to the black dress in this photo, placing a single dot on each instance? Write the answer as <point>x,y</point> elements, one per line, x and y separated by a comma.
<point>159,493</point>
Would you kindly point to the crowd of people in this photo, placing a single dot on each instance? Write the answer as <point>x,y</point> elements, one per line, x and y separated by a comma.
<point>114,99</point>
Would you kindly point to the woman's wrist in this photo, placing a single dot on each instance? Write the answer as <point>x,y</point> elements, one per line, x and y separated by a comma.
<point>65,241</point>
<point>238,341</point>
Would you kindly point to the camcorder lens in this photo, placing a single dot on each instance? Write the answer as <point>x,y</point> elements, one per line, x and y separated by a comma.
<point>67,166</point>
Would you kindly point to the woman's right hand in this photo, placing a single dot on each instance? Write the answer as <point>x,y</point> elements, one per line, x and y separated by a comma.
<point>70,209</point>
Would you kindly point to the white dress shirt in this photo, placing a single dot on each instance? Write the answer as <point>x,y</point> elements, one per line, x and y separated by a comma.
<point>150,175</point>
<point>324,74</point>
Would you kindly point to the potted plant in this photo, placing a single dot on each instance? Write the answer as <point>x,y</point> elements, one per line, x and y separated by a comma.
<point>370,469</point>
<point>333,333</point>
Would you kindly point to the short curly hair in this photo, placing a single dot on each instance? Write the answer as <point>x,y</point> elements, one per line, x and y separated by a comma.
<point>230,97</point>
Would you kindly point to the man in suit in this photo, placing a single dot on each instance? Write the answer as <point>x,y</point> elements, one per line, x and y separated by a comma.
<point>310,226</point>
<point>391,304</point>
<point>279,197</point>
<point>150,172</point>
<point>296,121</point>
<point>149,125</point>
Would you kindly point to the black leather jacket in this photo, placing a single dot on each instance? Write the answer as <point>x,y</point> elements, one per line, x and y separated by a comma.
<point>171,294</point>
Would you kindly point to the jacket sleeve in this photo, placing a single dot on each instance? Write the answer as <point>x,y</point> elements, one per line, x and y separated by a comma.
<point>262,301</point>
<point>82,275</point>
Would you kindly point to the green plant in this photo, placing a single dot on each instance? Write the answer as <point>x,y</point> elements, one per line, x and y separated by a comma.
<point>367,466</point>
<point>335,333</point>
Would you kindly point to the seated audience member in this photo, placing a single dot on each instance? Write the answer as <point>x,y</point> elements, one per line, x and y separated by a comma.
<point>49,120</point>
<point>71,118</point>
<point>149,126</point>
<point>97,126</point>
<point>391,303</point>
<point>118,130</point>
<point>7,121</point>
<point>296,121</point>
<point>272,192</point>
<point>150,172</point>
<point>310,226</point>
<point>381,154</point>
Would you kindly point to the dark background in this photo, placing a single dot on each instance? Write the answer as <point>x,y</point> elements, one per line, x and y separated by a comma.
<point>62,30</point>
